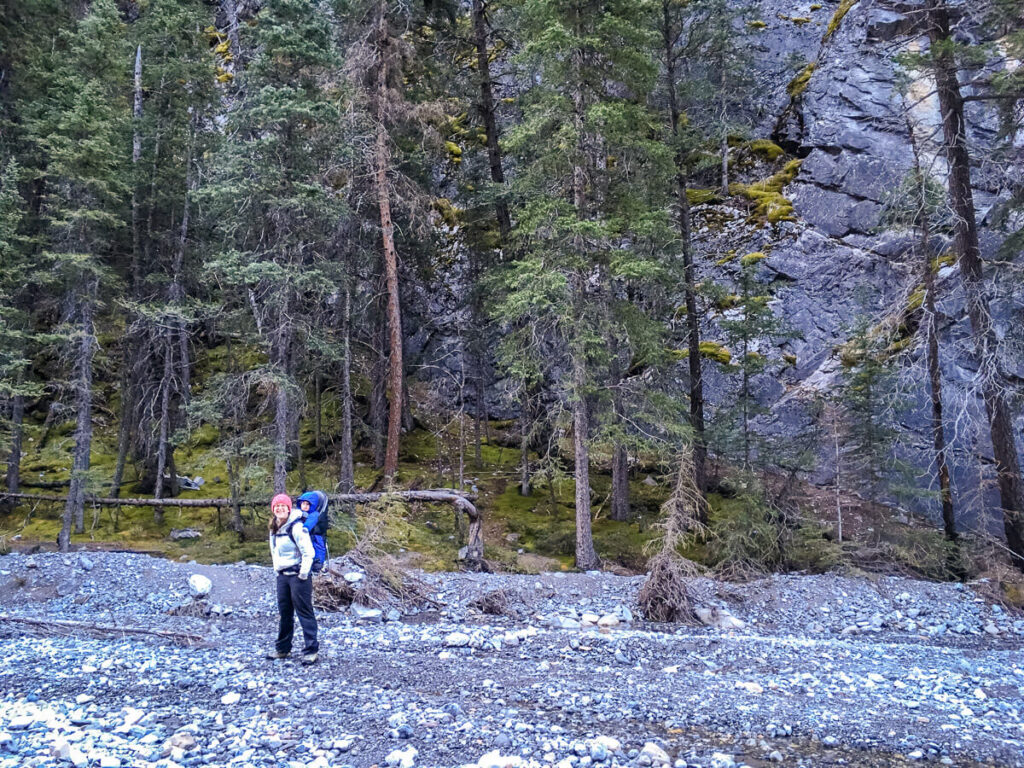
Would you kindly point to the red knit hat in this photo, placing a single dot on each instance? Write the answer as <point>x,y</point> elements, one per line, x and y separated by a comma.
<point>281,498</point>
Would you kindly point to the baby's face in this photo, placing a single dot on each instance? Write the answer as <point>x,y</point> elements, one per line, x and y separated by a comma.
<point>304,506</point>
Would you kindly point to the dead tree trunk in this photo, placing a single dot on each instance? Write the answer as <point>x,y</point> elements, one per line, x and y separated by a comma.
<point>620,457</point>
<point>993,381</point>
<point>164,428</point>
<point>586,555</point>
<point>487,113</point>
<point>381,163</point>
<point>346,479</point>
<point>74,509</point>
<point>699,457</point>
<point>932,337</point>
<point>280,358</point>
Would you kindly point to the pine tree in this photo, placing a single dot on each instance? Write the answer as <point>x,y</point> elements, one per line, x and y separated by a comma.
<point>83,134</point>
<point>274,199</point>
<point>585,223</point>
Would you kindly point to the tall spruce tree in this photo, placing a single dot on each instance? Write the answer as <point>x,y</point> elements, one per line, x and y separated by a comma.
<point>83,134</point>
<point>275,199</point>
<point>584,220</point>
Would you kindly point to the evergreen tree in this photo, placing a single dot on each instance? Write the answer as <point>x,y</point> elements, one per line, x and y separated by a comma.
<point>751,331</point>
<point>586,225</point>
<point>274,197</point>
<point>83,136</point>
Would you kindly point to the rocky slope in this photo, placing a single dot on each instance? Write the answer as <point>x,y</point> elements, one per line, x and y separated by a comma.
<point>824,671</point>
<point>826,83</point>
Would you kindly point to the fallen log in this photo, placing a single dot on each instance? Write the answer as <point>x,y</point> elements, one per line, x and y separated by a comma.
<point>462,501</point>
<point>57,626</point>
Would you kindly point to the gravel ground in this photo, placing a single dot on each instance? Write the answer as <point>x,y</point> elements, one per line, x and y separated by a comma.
<point>824,671</point>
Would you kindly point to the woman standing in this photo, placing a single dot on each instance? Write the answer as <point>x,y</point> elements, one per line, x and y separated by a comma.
<point>292,553</point>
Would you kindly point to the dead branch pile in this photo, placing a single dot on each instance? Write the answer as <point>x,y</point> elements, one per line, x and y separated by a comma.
<point>385,583</point>
<point>500,602</point>
<point>664,596</point>
<point>55,627</point>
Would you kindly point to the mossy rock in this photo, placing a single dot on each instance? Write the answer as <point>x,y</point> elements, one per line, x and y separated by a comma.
<point>702,196</point>
<point>837,18</point>
<point>798,84</point>
<point>753,258</point>
<point>756,24</point>
<point>766,149</point>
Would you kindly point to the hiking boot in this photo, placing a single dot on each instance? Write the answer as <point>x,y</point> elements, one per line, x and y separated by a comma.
<point>274,655</point>
<point>309,658</point>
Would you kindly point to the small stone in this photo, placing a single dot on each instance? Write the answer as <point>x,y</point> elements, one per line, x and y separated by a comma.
<point>199,585</point>
<point>85,563</point>
<point>775,756</point>
<point>456,640</point>
<point>230,698</point>
<point>109,761</point>
<point>402,758</point>
<point>830,741</point>
<point>362,613</point>
<point>917,754</point>
<point>354,577</point>
<point>992,629</point>
<point>722,760</point>
<point>608,621</point>
<point>655,754</point>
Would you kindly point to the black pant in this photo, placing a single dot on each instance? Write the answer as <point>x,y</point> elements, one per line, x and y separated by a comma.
<point>295,595</point>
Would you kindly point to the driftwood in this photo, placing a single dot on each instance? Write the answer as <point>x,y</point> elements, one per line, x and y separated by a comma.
<point>463,502</point>
<point>55,626</point>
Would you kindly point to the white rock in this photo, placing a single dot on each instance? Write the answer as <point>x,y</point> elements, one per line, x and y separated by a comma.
<point>495,759</point>
<point>562,622</point>
<point>657,755</point>
<point>992,629</point>
<point>402,758</point>
<point>754,688</point>
<point>353,577</point>
<point>362,613</point>
<point>61,750</point>
<point>722,760</point>
<point>917,754</point>
<point>718,617</point>
<point>109,761</point>
<point>612,745</point>
<point>608,620</point>
<point>199,585</point>
<point>230,698</point>
<point>77,758</point>
<point>456,640</point>
<point>589,618</point>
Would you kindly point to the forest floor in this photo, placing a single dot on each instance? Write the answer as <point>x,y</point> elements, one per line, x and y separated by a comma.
<point>827,671</point>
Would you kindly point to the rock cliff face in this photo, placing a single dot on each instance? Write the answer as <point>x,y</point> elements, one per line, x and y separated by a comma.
<point>827,93</point>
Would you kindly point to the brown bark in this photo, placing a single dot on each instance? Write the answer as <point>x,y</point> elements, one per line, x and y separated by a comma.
<point>346,480</point>
<point>381,164</point>
<point>136,156</point>
<point>14,455</point>
<point>689,280</point>
<point>281,414</point>
<point>487,113</point>
<point>164,429</point>
<point>993,381</point>
<point>932,349</point>
<point>74,508</point>
<point>586,555</point>
<point>620,458</point>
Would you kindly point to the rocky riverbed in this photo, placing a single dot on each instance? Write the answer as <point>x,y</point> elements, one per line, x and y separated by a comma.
<point>796,670</point>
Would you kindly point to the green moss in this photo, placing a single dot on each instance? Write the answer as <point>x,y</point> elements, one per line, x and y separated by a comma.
<point>770,204</point>
<point>753,258</point>
<point>702,196</point>
<point>816,6</point>
<point>766,149</point>
<point>837,18</point>
<point>915,299</point>
<point>756,24</point>
<point>790,359</point>
<point>947,259</point>
<point>712,350</point>
<point>798,84</point>
<point>800,20</point>
<point>729,257</point>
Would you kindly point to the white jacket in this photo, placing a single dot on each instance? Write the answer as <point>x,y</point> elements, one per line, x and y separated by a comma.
<point>294,550</point>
